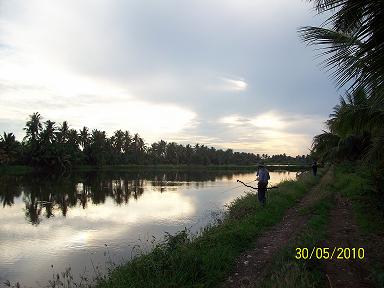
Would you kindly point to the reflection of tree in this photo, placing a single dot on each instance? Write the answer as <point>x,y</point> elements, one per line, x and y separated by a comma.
<point>32,209</point>
<point>9,189</point>
<point>45,195</point>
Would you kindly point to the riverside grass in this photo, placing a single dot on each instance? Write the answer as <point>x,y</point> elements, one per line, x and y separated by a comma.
<point>207,259</point>
<point>352,181</point>
<point>288,272</point>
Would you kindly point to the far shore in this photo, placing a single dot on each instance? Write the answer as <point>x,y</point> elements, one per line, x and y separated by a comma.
<point>23,169</point>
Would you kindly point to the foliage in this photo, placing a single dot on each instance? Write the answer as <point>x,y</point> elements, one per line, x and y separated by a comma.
<point>352,39</point>
<point>352,44</point>
<point>60,147</point>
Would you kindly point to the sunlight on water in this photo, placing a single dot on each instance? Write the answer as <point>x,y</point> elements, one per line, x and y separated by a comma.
<point>68,221</point>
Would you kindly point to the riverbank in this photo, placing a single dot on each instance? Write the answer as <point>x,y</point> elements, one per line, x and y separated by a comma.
<point>204,261</point>
<point>348,215</point>
<point>23,169</point>
<point>271,167</point>
<point>15,170</point>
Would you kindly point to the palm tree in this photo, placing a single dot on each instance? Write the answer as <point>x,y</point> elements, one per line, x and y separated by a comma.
<point>138,148</point>
<point>9,148</point>
<point>354,41</point>
<point>98,147</point>
<point>48,134</point>
<point>84,137</point>
<point>118,140</point>
<point>127,141</point>
<point>355,129</point>
<point>62,134</point>
<point>33,127</point>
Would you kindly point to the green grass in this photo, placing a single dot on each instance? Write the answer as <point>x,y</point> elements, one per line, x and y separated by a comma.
<point>207,260</point>
<point>287,271</point>
<point>354,182</point>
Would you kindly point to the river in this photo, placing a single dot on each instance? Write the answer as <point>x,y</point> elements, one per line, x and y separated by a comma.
<point>85,220</point>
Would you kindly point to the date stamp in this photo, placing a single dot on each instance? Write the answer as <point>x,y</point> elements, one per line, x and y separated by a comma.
<point>327,253</point>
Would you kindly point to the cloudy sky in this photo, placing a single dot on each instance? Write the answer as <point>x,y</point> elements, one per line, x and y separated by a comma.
<point>225,73</point>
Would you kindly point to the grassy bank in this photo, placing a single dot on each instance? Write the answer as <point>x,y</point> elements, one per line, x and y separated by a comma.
<point>354,183</point>
<point>205,261</point>
<point>287,271</point>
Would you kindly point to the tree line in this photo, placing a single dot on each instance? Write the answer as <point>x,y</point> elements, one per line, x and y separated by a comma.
<point>352,45</point>
<point>47,144</point>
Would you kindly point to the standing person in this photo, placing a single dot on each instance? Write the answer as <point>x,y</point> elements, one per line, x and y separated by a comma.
<point>262,177</point>
<point>314,167</point>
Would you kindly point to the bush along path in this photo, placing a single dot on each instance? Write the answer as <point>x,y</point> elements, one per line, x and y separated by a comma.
<point>253,265</point>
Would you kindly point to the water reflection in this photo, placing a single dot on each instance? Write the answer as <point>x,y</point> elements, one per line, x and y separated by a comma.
<point>76,215</point>
<point>46,196</point>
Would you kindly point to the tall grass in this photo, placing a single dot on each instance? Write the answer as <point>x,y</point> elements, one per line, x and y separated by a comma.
<point>355,183</point>
<point>205,261</point>
<point>288,272</point>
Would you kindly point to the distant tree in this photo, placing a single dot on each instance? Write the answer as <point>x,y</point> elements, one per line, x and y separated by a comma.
<point>33,127</point>
<point>9,149</point>
<point>84,137</point>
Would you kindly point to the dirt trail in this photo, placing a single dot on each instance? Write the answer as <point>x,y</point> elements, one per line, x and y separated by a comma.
<point>252,265</point>
<point>343,232</point>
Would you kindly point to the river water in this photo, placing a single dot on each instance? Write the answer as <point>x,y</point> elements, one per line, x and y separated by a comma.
<point>84,221</point>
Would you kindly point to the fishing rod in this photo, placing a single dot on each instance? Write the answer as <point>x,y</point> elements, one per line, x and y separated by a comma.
<point>273,187</point>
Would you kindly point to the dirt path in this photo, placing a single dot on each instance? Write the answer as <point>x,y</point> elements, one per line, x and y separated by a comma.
<point>252,265</point>
<point>343,232</point>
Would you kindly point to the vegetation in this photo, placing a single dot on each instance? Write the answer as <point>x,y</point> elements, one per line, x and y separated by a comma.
<point>286,271</point>
<point>352,41</point>
<point>354,183</point>
<point>204,262</point>
<point>49,145</point>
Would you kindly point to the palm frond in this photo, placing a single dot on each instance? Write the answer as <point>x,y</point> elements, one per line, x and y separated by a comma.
<point>353,42</point>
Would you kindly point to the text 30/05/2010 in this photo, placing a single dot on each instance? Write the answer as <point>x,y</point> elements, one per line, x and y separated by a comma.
<point>329,253</point>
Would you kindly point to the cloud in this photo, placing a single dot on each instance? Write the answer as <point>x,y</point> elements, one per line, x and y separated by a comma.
<point>163,69</point>
<point>228,85</point>
<point>269,132</point>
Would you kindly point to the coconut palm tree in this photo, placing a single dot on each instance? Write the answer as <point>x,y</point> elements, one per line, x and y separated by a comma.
<point>352,39</point>
<point>48,135</point>
<point>33,127</point>
<point>84,137</point>
<point>138,148</point>
<point>9,148</point>
<point>62,134</point>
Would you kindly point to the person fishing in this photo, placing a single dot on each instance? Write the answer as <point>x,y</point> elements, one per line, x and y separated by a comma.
<point>314,167</point>
<point>262,178</point>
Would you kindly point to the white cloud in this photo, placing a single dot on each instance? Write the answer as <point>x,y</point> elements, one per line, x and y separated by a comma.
<point>227,85</point>
<point>271,132</point>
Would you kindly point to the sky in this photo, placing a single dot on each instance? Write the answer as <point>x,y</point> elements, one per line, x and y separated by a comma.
<point>224,73</point>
